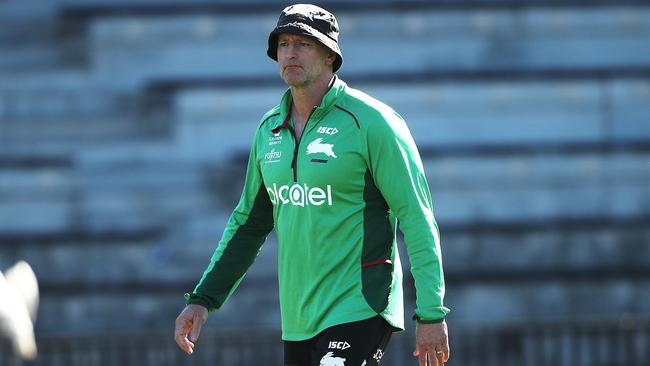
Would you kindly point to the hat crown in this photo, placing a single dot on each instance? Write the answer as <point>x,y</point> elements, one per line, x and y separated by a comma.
<point>311,15</point>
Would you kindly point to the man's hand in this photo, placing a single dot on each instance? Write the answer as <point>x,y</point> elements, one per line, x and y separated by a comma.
<point>431,344</point>
<point>189,321</point>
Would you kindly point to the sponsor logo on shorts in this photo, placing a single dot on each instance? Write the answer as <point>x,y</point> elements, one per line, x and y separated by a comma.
<point>338,345</point>
<point>378,355</point>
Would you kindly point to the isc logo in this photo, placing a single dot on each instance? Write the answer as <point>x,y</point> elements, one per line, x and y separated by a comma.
<point>338,345</point>
<point>327,130</point>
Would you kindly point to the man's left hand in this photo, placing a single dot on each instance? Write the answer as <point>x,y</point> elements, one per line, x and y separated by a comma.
<point>431,344</point>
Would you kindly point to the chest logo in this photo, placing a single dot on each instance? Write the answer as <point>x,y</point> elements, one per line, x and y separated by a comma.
<point>327,130</point>
<point>317,146</point>
<point>275,139</point>
<point>273,156</point>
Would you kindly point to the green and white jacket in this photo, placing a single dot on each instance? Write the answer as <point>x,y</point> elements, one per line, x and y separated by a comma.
<point>334,199</point>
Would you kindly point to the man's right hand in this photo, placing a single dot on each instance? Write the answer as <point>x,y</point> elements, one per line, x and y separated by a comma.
<point>189,322</point>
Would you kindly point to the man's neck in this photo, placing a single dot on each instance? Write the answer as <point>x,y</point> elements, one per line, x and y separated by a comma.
<point>305,99</point>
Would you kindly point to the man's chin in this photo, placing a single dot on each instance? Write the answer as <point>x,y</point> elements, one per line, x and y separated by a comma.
<point>294,81</point>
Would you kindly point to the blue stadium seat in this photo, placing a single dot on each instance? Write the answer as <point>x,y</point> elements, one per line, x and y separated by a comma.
<point>437,114</point>
<point>539,187</point>
<point>149,47</point>
<point>34,216</point>
<point>630,120</point>
<point>499,112</point>
<point>32,202</point>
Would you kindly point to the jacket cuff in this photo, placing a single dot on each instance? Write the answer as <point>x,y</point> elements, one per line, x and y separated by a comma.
<point>191,298</point>
<point>427,321</point>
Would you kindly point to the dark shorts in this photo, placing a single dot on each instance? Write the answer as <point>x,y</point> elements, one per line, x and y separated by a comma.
<point>349,344</point>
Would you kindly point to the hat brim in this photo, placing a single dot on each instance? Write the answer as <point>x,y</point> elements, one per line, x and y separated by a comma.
<point>302,29</point>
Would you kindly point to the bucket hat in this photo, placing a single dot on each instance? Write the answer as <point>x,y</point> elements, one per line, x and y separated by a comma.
<point>309,21</point>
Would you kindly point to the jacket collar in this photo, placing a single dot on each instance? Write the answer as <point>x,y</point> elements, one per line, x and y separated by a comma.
<point>329,100</point>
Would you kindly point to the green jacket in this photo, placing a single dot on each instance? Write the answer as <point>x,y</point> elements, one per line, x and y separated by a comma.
<point>334,198</point>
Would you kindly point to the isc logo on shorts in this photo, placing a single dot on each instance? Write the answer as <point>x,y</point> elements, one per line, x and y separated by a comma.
<point>338,345</point>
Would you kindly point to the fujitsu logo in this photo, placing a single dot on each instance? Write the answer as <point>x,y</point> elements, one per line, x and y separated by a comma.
<point>272,155</point>
<point>300,195</point>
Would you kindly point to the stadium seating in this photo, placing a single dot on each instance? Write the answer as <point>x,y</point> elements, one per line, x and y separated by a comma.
<point>446,114</point>
<point>127,49</point>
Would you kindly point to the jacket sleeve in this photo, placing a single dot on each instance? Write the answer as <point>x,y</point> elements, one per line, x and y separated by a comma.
<point>397,171</point>
<point>246,230</point>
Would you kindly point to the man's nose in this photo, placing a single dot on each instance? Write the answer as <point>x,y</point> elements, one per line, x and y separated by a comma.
<point>290,50</point>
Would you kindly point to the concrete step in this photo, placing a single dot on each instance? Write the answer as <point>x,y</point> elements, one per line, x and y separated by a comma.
<point>439,114</point>
<point>118,190</point>
<point>103,198</point>
<point>539,187</point>
<point>256,305</point>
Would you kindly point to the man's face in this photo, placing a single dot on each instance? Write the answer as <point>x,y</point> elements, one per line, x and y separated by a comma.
<point>302,60</point>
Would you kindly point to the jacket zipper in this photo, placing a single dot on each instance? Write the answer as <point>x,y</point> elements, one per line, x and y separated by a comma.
<point>295,154</point>
<point>294,162</point>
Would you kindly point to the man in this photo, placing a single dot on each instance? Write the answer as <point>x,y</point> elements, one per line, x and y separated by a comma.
<point>331,169</point>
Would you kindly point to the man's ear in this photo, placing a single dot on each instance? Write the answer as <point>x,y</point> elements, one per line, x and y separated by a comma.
<point>331,57</point>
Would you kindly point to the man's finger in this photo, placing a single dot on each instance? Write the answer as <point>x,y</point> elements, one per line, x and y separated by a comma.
<point>182,343</point>
<point>196,329</point>
<point>446,352</point>
<point>440,358</point>
<point>183,326</point>
<point>185,344</point>
<point>423,359</point>
<point>178,332</point>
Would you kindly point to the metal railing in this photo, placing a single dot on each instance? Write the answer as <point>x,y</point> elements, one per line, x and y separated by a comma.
<point>624,342</point>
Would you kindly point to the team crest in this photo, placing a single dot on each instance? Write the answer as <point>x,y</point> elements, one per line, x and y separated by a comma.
<point>330,360</point>
<point>317,146</point>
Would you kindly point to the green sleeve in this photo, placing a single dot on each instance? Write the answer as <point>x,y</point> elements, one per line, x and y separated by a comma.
<point>398,173</point>
<point>246,230</point>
